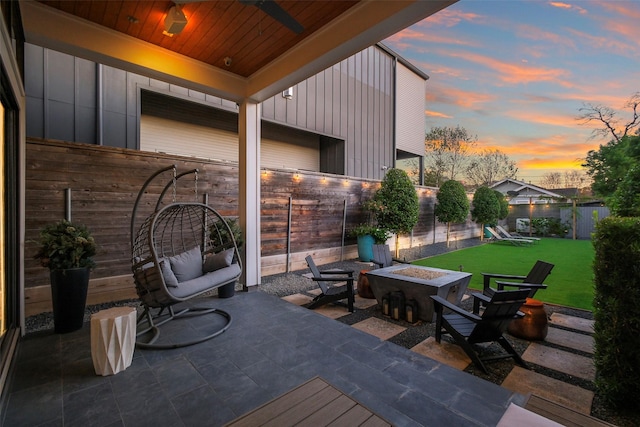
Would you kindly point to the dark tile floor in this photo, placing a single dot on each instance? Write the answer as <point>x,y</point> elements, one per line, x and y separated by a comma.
<point>270,347</point>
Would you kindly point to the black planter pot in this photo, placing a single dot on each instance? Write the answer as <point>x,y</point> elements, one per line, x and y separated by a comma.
<point>227,291</point>
<point>69,297</point>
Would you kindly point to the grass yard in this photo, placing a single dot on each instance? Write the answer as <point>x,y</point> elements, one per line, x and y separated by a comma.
<point>570,282</point>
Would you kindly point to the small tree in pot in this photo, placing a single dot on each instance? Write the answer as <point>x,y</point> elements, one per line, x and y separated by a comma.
<point>67,250</point>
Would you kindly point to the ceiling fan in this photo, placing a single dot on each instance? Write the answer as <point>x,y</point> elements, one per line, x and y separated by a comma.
<point>270,7</point>
<point>273,9</point>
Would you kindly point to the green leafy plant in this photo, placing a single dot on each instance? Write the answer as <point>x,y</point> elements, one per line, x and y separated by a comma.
<point>453,204</point>
<point>396,204</point>
<point>219,234</point>
<point>486,207</point>
<point>379,235</point>
<point>65,245</point>
<point>615,303</point>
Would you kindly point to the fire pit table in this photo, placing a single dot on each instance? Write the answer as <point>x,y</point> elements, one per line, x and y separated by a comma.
<point>419,283</point>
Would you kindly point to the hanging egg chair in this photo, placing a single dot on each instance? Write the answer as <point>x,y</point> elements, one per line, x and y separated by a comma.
<point>179,252</point>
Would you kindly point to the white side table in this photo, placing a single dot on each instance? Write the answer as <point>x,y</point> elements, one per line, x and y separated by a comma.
<point>113,339</point>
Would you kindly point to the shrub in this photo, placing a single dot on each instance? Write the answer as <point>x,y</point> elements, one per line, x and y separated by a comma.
<point>486,207</point>
<point>616,302</point>
<point>397,203</point>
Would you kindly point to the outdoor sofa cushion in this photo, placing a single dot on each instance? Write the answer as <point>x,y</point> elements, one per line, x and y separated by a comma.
<point>213,262</point>
<point>206,282</point>
<point>187,265</point>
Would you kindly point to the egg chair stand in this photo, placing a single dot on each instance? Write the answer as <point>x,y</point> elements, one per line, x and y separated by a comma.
<point>181,251</point>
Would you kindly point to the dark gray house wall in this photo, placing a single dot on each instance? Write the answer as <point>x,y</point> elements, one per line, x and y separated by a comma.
<point>348,106</point>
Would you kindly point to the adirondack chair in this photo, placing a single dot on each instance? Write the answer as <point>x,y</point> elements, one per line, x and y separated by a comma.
<point>532,281</point>
<point>473,328</point>
<point>382,256</point>
<point>500,229</point>
<point>496,237</point>
<point>331,293</point>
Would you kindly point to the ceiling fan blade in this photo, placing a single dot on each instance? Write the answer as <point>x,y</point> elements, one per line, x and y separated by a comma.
<point>273,9</point>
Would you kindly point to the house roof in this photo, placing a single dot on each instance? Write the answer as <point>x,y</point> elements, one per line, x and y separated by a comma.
<point>520,188</point>
<point>266,56</point>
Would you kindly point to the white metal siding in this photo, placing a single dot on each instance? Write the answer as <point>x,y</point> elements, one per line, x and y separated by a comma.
<point>173,137</point>
<point>410,105</point>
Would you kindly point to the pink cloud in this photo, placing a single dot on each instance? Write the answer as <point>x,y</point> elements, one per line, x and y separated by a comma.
<point>458,97</point>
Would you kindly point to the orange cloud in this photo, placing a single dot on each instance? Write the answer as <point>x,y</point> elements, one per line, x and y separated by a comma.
<point>450,17</point>
<point>437,114</point>
<point>458,97</point>
<point>517,73</point>
<point>568,6</point>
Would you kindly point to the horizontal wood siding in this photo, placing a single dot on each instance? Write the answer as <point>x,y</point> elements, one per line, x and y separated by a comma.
<point>105,181</point>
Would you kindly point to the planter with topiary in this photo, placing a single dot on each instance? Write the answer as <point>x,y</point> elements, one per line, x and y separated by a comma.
<point>67,250</point>
<point>368,235</point>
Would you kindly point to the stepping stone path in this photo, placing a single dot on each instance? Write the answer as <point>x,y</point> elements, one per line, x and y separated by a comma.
<point>572,333</point>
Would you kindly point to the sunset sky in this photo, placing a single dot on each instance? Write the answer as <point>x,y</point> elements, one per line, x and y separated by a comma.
<point>515,73</point>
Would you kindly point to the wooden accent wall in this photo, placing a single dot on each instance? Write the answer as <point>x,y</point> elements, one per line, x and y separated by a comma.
<point>105,181</point>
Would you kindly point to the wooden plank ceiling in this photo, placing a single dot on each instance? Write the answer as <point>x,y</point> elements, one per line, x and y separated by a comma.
<point>216,29</point>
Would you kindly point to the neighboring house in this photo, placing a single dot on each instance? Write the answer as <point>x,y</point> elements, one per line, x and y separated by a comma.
<point>521,193</point>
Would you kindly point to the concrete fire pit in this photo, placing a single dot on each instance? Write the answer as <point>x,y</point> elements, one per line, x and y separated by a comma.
<point>419,283</point>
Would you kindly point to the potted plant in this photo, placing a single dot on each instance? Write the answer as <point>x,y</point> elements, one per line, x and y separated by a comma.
<point>67,250</point>
<point>219,235</point>
<point>367,236</point>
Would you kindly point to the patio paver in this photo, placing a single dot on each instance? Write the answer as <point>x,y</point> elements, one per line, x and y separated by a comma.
<point>577,323</point>
<point>560,360</point>
<point>570,339</point>
<point>379,328</point>
<point>445,352</point>
<point>525,381</point>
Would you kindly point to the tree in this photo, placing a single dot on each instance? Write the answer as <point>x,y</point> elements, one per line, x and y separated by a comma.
<point>504,204</point>
<point>551,180</point>
<point>608,165</point>
<point>486,208</point>
<point>489,166</point>
<point>625,201</point>
<point>396,204</point>
<point>452,204</point>
<point>575,179</point>
<point>446,152</point>
<point>607,118</point>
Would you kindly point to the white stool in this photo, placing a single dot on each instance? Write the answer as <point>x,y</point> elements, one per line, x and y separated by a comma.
<point>113,339</point>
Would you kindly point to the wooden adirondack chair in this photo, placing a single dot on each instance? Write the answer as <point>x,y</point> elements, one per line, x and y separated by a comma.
<point>473,328</point>
<point>533,280</point>
<point>331,293</point>
<point>382,256</point>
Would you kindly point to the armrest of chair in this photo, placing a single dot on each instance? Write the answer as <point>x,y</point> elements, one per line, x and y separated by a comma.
<point>477,299</point>
<point>488,276</point>
<point>519,285</point>
<point>400,261</point>
<point>439,303</point>
<point>336,272</point>
<point>332,279</point>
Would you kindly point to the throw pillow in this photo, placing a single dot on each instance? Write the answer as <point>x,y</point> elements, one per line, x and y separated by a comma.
<point>169,278</point>
<point>213,262</point>
<point>187,265</point>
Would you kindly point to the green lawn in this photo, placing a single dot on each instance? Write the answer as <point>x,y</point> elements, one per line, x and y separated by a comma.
<point>570,282</point>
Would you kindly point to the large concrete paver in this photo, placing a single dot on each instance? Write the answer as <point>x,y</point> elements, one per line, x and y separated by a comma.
<point>560,360</point>
<point>447,353</point>
<point>524,381</point>
<point>578,323</point>
<point>379,328</point>
<point>570,339</point>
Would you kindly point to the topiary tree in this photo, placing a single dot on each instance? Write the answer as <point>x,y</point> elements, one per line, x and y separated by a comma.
<point>615,311</point>
<point>504,204</point>
<point>486,208</point>
<point>396,204</point>
<point>452,204</point>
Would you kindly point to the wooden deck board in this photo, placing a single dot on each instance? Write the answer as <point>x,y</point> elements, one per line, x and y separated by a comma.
<point>560,414</point>
<point>314,403</point>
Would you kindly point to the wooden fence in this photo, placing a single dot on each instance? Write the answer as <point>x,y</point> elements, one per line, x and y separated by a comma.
<point>301,212</point>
